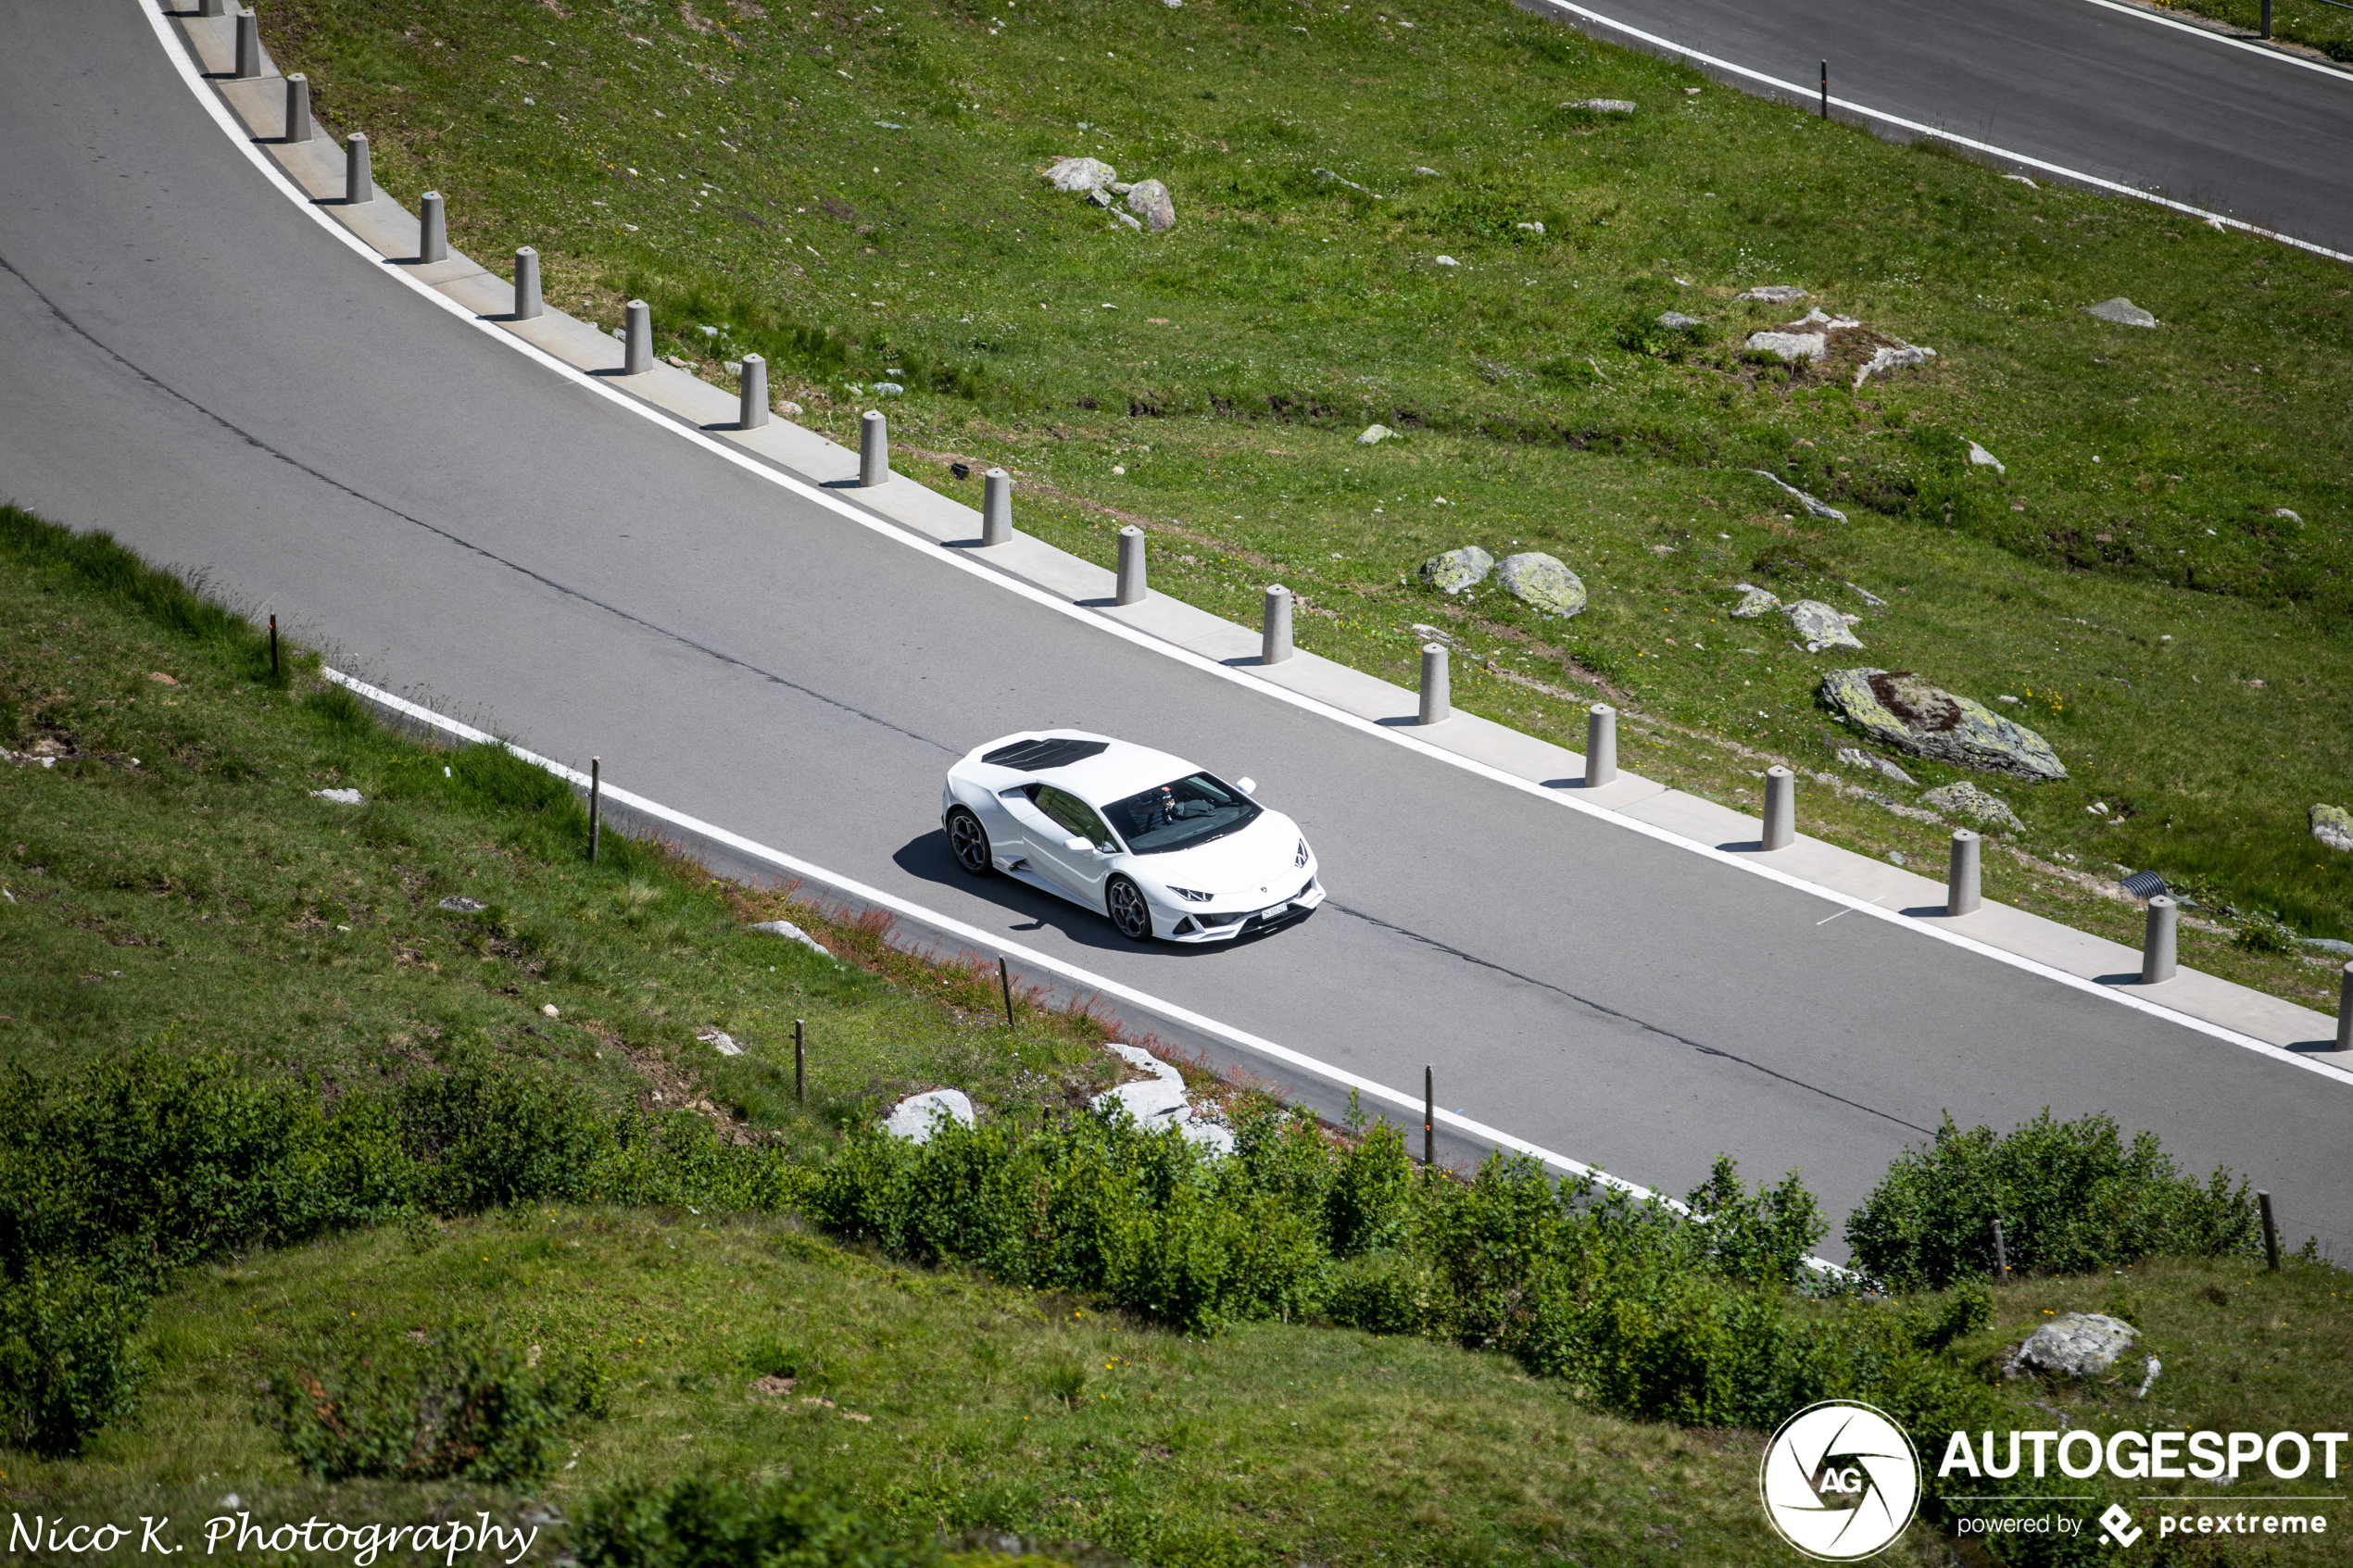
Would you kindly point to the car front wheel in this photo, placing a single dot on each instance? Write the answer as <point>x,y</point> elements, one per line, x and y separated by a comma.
<point>968,841</point>
<point>1129,913</point>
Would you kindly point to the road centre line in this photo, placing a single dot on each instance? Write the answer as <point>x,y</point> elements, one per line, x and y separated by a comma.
<point>1809,95</point>
<point>961,561</point>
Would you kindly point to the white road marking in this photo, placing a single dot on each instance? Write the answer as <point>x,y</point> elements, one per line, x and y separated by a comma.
<point>1827,919</point>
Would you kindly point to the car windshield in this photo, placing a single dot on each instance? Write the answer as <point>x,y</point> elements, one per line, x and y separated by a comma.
<point>1180,814</point>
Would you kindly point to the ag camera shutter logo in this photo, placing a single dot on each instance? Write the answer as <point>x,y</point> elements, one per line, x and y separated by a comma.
<point>1839,1481</point>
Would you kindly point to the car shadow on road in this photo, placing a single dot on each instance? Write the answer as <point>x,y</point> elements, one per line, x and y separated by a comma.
<point>926,858</point>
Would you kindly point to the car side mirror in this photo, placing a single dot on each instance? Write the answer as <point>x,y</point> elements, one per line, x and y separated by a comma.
<point>1247,786</point>
<point>1077,846</point>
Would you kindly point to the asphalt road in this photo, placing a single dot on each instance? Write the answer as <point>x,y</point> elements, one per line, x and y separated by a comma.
<point>193,364</point>
<point>2246,134</point>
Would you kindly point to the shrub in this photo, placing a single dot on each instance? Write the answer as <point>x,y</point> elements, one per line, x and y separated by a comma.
<point>470,1407</point>
<point>1382,1293</point>
<point>483,1139</point>
<point>67,1365</point>
<point>2072,1196</point>
<point>705,1522</point>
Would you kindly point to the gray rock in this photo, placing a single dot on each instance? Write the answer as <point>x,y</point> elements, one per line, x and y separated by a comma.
<point>2122,311</point>
<point>917,1116</point>
<point>2328,944</point>
<point>1821,626</point>
<point>1537,578</point>
<point>1150,201</point>
<point>1675,321</point>
<point>458,903</point>
<point>1161,1102</point>
<point>888,389</point>
<point>1867,595</point>
<point>2282,512</point>
<point>1431,172</point>
<point>1079,175</point>
<point>1602,105</point>
<point>1774,294</point>
<point>1128,219</point>
<point>1119,187</point>
<point>1900,357</point>
<point>340,796</point>
<point>1818,317</point>
<point>720,1040</point>
<point>1790,345</point>
<point>1814,507</point>
<point>1374,435</point>
<point>1755,601</point>
<point>1965,799</point>
<point>2073,1344</point>
<point>1906,712</point>
<point>2333,825</point>
<point>1458,570</point>
<point>1979,457</point>
<point>1329,178</point>
<point>1855,757</point>
<point>1446,261</point>
<point>785,929</point>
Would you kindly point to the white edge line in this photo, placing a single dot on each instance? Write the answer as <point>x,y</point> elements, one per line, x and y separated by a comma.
<point>2212,37</point>
<point>1812,95</point>
<point>958,559</point>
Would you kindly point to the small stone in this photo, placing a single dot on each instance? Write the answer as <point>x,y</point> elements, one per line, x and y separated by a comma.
<point>1755,601</point>
<point>1814,507</point>
<point>2006,698</point>
<point>2073,1344</point>
<point>1148,200</point>
<point>2282,512</point>
<point>2333,825</point>
<point>1675,321</point>
<point>1979,457</point>
<point>786,928</point>
<point>340,796</point>
<point>1076,176</point>
<point>720,1038</point>
<point>1374,435</point>
<point>915,1117</point>
<point>549,1009</point>
<point>2122,311</point>
<point>888,389</point>
<point>458,903</point>
<point>1329,178</point>
<point>1868,596</point>
<point>1855,757</point>
<point>1774,294</point>
<point>1895,857</point>
<point>1431,172</point>
<point>159,678</point>
<point>1128,219</point>
<point>1457,570</point>
<point>1119,187</point>
<point>1818,317</point>
<point>1790,347</point>
<point>1448,261</point>
<point>1538,580</point>
<point>789,409</point>
<point>1965,799</point>
<point>1905,711</point>
<point>1821,626</point>
<point>1602,105</point>
<point>1903,356</point>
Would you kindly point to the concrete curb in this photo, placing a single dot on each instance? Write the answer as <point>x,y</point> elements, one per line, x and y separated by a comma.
<point>813,466</point>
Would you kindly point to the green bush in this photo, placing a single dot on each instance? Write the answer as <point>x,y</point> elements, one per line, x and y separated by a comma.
<point>2072,1196</point>
<point>1383,1293</point>
<point>705,1522</point>
<point>467,1407</point>
<point>67,1365</point>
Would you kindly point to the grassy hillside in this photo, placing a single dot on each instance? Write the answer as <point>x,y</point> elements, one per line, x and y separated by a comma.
<point>853,192</point>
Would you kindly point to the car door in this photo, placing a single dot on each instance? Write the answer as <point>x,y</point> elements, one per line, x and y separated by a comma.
<point>1080,873</point>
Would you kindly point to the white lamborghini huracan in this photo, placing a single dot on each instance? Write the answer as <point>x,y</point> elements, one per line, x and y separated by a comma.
<point>1162,847</point>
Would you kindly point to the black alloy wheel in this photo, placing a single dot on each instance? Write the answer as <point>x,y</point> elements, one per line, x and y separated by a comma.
<point>1129,913</point>
<point>968,841</point>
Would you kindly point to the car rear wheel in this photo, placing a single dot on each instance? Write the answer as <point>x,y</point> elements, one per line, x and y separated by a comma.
<point>968,841</point>
<point>1129,914</point>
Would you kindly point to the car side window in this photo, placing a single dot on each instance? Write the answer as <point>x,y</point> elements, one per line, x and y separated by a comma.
<point>1068,812</point>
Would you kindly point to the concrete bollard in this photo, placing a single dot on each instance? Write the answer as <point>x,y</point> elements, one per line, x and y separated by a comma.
<point>1781,808</point>
<point>527,306</point>
<point>211,8</point>
<point>2345,1010</point>
<point>1601,745</point>
<point>1132,584</point>
<point>2157,946</point>
<point>1438,702</point>
<point>751,410</point>
<point>636,338</point>
<point>432,229</point>
<point>874,448</point>
<point>1274,642</point>
<point>298,127</point>
<point>248,44</point>
<point>358,180</point>
<point>996,507</point>
<point>1960,884</point>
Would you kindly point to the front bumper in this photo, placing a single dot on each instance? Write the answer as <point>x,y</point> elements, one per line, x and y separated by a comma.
<point>1197,926</point>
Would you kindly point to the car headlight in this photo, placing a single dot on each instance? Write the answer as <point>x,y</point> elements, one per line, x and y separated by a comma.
<point>1301,858</point>
<point>1190,897</point>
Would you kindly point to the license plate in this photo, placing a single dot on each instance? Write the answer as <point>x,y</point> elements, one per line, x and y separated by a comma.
<point>1271,913</point>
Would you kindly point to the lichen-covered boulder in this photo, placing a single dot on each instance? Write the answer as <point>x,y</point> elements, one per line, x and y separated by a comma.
<point>1821,626</point>
<point>1755,601</point>
<point>1963,798</point>
<point>1908,713</point>
<point>1537,578</point>
<point>915,1117</point>
<point>2073,1344</point>
<point>1458,570</point>
<point>2333,825</point>
<point>1079,175</point>
<point>1148,200</point>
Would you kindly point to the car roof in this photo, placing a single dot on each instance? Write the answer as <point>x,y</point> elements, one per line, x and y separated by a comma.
<point>1097,769</point>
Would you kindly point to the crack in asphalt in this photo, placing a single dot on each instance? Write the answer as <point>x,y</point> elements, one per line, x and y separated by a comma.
<point>460,541</point>
<point>1607,1011</point>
